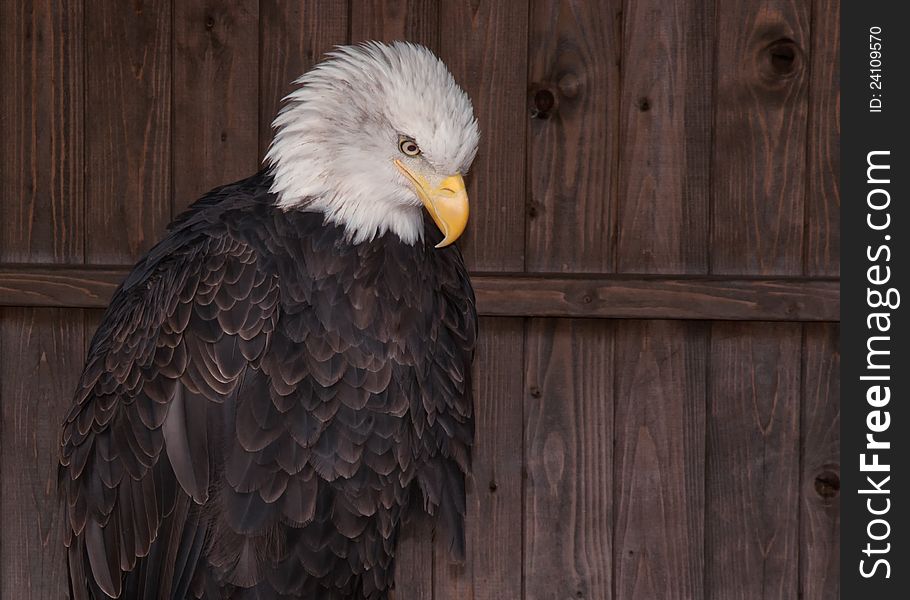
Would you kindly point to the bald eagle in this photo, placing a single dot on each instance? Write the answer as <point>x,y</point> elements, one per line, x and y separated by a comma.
<point>285,378</point>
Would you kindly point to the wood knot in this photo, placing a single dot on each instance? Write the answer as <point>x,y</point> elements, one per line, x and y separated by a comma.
<point>533,209</point>
<point>780,59</point>
<point>827,484</point>
<point>535,391</point>
<point>209,23</point>
<point>543,102</point>
<point>644,105</point>
<point>493,487</point>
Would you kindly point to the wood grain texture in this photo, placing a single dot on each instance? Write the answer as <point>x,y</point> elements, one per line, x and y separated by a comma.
<point>658,472</point>
<point>216,95</point>
<point>508,295</point>
<point>665,124</point>
<point>414,561</point>
<point>293,36</point>
<point>485,45</point>
<point>42,351</point>
<point>54,287</point>
<point>761,111</point>
<point>659,298</point>
<point>752,487</point>
<point>493,569</point>
<point>823,143</point>
<point>41,131</point>
<point>820,463</point>
<point>573,97</point>
<point>390,20</point>
<point>569,456</point>
<point>127,129</point>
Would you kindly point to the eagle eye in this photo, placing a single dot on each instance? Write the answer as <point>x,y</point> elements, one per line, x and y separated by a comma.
<point>409,147</point>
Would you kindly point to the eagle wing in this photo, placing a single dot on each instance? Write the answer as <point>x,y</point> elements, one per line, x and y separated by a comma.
<point>141,442</point>
<point>194,386</point>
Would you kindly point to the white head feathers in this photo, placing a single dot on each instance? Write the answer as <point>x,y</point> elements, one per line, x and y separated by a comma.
<point>338,136</point>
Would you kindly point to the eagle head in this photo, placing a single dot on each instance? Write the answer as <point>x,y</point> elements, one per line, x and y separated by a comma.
<point>372,136</point>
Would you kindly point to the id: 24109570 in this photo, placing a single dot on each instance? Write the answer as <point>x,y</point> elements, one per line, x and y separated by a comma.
<point>875,69</point>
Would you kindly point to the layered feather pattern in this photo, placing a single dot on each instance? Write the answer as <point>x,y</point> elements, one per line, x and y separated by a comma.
<point>263,405</point>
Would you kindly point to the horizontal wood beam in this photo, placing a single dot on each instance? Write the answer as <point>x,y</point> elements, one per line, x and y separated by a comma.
<point>660,297</point>
<point>594,296</point>
<point>69,287</point>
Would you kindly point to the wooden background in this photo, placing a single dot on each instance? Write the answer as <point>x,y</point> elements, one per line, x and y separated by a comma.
<point>654,237</point>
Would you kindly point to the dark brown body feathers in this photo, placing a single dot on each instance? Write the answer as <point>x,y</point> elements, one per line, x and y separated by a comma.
<point>263,405</point>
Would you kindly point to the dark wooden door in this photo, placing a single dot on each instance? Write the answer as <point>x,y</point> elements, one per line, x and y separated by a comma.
<point>654,241</point>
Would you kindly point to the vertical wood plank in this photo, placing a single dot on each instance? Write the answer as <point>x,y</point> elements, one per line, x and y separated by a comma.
<point>414,561</point>
<point>752,461</point>
<point>568,452</point>
<point>41,128</point>
<point>484,43</point>
<point>4,315</point>
<point>820,478</point>
<point>760,137</point>
<point>293,36</point>
<point>823,210</point>
<point>42,352</point>
<point>572,137</point>
<point>3,374</point>
<point>492,570</point>
<point>128,128</point>
<point>665,129</point>
<point>216,95</point>
<point>659,460</point>
<point>390,20</point>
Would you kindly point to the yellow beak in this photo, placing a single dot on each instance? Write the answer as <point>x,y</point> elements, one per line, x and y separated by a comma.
<point>447,203</point>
